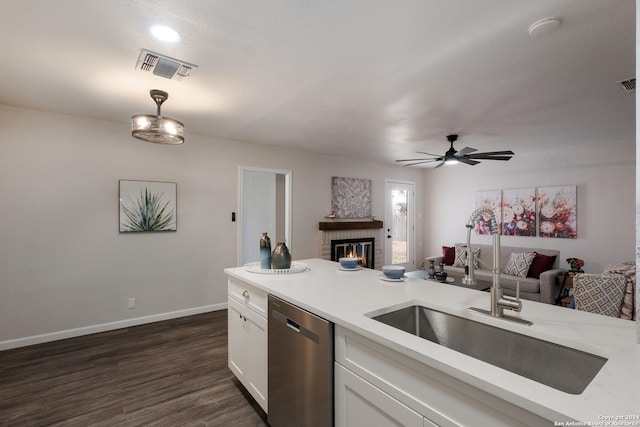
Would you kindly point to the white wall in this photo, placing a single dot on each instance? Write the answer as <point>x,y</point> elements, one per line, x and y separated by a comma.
<point>63,264</point>
<point>604,175</point>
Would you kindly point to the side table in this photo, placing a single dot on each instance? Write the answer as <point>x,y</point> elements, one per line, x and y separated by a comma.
<point>565,279</point>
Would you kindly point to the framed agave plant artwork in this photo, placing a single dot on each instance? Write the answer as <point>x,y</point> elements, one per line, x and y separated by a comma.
<point>147,206</point>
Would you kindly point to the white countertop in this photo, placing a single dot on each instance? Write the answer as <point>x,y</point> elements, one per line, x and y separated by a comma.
<point>344,297</point>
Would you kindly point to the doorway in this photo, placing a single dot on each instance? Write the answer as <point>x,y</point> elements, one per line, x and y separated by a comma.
<point>399,223</point>
<point>264,207</point>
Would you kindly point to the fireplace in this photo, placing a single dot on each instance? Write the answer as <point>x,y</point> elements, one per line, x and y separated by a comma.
<point>350,232</point>
<point>361,248</point>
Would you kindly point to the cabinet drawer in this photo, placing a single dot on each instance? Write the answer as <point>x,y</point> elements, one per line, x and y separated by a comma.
<point>249,296</point>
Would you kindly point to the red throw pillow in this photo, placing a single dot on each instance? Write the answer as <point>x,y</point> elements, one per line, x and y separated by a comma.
<point>540,264</point>
<point>448,255</point>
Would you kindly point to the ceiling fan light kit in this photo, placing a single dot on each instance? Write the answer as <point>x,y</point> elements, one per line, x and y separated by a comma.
<point>157,129</point>
<point>467,155</point>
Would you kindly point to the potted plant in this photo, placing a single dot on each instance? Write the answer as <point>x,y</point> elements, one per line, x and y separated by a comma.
<point>575,265</point>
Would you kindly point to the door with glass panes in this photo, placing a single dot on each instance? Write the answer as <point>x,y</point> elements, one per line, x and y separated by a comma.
<point>399,223</point>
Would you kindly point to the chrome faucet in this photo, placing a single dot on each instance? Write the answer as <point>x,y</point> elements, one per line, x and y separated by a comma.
<point>499,301</point>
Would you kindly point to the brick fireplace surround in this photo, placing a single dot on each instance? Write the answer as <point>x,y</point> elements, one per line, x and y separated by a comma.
<point>339,230</point>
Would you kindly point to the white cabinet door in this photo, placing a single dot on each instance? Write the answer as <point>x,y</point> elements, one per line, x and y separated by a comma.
<point>257,358</point>
<point>358,403</point>
<point>237,339</point>
<point>247,339</point>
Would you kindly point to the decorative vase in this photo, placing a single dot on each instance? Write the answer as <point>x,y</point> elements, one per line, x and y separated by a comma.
<point>265,252</point>
<point>281,258</point>
<point>431,272</point>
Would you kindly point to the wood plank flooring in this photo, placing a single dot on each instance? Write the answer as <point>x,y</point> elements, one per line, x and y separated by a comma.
<point>170,373</point>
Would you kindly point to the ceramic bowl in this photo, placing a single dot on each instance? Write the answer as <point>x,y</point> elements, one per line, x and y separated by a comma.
<point>393,271</point>
<point>348,263</point>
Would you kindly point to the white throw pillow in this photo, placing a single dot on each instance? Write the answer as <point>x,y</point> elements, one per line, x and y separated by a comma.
<point>461,256</point>
<point>519,264</point>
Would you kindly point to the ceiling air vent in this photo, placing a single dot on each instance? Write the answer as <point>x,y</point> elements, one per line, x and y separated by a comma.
<point>164,66</point>
<point>627,86</point>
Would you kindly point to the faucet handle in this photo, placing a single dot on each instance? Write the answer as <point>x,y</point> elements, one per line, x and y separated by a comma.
<point>511,303</point>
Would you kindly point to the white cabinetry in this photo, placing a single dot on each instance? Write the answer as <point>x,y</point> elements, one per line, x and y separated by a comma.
<point>248,338</point>
<point>358,403</point>
<point>375,385</point>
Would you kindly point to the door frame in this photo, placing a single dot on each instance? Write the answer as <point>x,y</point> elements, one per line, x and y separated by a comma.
<point>411,228</point>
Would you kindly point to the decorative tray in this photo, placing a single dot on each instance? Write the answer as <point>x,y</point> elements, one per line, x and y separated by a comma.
<point>296,267</point>
<point>447,280</point>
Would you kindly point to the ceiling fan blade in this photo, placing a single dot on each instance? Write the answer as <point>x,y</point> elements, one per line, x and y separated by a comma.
<point>505,158</point>
<point>482,157</point>
<point>467,161</point>
<point>493,153</point>
<point>440,165</point>
<point>429,154</point>
<point>465,151</point>
<point>413,160</point>
<point>418,163</point>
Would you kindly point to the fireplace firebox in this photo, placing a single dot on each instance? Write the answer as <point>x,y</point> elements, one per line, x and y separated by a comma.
<point>361,248</point>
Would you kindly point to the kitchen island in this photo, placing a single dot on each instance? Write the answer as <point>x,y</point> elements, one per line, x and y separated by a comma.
<point>346,297</point>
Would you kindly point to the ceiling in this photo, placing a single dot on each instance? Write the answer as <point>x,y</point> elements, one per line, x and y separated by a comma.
<point>371,79</point>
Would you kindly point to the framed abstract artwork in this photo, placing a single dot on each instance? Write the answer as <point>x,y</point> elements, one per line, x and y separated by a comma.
<point>519,212</point>
<point>147,206</point>
<point>351,198</point>
<point>492,200</point>
<point>557,212</point>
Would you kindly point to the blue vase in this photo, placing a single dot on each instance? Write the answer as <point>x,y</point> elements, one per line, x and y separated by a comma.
<point>265,252</point>
<point>431,272</point>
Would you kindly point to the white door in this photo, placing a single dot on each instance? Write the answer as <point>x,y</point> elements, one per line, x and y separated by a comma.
<point>258,212</point>
<point>398,225</point>
<point>265,206</point>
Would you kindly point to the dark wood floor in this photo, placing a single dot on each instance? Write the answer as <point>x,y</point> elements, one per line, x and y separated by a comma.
<point>171,373</point>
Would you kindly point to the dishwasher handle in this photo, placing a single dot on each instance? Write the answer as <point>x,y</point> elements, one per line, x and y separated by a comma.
<point>296,327</point>
<point>293,325</point>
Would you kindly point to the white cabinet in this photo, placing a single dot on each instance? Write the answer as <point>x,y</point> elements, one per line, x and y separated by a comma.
<point>247,334</point>
<point>381,384</point>
<point>359,403</point>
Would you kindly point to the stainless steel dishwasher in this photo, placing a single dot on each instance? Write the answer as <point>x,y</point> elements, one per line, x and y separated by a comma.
<point>300,367</point>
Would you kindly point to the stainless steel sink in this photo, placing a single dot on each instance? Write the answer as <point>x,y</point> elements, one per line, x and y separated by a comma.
<point>557,366</point>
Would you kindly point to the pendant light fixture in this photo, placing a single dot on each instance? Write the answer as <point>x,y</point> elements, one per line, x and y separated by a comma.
<point>157,129</point>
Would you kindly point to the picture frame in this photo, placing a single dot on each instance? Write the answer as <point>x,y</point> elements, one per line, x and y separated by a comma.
<point>491,199</point>
<point>350,198</point>
<point>519,212</point>
<point>147,206</point>
<point>557,212</point>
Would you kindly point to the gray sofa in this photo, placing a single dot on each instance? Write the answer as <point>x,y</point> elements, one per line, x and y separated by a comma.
<point>544,289</point>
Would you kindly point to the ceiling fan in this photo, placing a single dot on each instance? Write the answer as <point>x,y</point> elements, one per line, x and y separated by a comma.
<point>452,156</point>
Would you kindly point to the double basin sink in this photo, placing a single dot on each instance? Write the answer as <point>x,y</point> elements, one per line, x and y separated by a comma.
<point>563,368</point>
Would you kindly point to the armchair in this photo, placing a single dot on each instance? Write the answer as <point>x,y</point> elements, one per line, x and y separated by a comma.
<point>599,293</point>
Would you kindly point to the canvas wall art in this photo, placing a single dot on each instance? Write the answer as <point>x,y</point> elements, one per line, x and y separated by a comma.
<point>351,197</point>
<point>557,212</point>
<point>492,200</point>
<point>147,206</point>
<point>519,212</point>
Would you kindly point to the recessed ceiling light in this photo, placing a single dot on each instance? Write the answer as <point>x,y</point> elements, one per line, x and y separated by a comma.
<point>164,33</point>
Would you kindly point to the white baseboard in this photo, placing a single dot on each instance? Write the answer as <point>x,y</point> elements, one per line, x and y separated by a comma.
<point>92,329</point>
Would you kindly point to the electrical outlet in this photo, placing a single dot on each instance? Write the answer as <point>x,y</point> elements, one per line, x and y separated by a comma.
<point>132,303</point>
